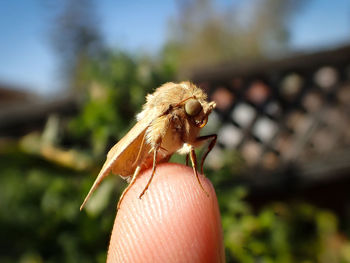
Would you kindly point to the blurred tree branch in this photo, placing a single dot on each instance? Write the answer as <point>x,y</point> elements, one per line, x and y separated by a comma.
<point>202,34</point>
<point>76,37</point>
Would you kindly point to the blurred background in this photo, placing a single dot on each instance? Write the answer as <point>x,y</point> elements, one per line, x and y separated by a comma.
<point>73,74</point>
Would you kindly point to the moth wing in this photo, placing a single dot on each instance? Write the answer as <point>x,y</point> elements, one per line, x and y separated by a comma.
<point>122,154</point>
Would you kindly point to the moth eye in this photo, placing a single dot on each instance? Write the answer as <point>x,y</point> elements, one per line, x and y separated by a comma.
<point>193,107</point>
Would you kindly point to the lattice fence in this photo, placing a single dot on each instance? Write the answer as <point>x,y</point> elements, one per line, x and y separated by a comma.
<point>295,110</point>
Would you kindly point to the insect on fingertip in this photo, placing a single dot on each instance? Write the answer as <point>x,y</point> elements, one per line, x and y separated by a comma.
<point>170,121</point>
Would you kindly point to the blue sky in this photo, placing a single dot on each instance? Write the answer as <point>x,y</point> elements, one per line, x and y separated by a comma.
<point>321,23</point>
<point>27,58</point>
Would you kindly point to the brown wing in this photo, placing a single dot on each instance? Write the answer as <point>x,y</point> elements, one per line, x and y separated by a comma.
<point>121,157</point>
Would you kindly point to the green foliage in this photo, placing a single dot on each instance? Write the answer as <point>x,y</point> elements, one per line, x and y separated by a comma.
<point>280,232</point>
<point>284,232</point>
<point>39,213</point>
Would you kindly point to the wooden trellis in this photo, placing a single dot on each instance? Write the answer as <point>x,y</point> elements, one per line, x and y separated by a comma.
<point>295,110</point>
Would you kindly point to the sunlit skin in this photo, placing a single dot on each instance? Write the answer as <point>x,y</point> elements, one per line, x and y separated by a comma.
<point>175,222</point>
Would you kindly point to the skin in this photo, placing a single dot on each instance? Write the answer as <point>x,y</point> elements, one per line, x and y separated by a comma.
<point>175,221</point>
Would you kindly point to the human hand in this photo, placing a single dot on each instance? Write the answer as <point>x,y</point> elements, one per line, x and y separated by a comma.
<point>175,221</point>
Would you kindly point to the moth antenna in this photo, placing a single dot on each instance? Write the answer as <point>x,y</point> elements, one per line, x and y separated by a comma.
<point>192,97</point>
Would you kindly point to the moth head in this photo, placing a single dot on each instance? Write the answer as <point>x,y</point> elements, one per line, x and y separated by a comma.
<point>198,111</point>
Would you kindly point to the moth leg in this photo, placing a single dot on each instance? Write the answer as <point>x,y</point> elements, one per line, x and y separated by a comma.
<point>194,165</point>
<point>187,158</point>
<point>155,151</point>
<point>162,148</point>
<point>133,180</point>
<point>212,143</point>
<point>140,150</point>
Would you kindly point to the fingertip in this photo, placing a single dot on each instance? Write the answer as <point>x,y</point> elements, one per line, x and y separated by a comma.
<point>175,221</point>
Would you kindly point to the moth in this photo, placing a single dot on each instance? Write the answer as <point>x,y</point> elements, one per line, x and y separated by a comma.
<point>170,121</point>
